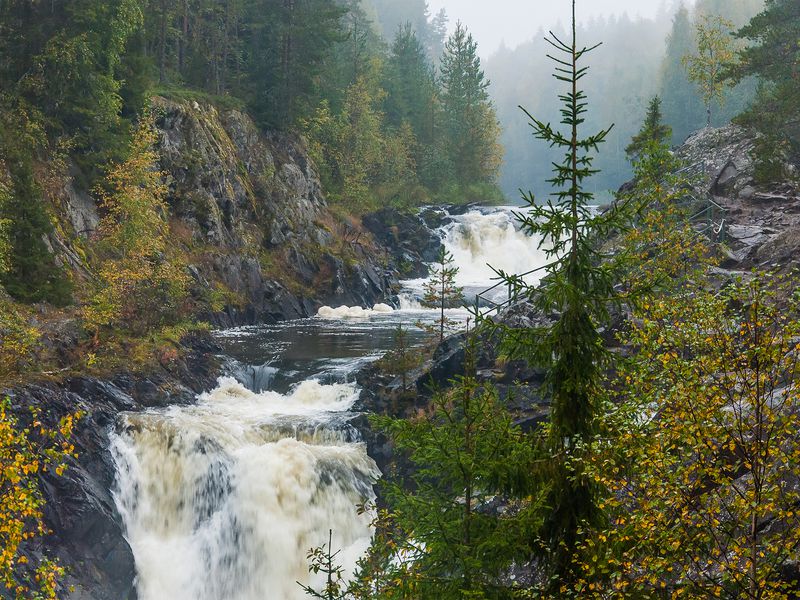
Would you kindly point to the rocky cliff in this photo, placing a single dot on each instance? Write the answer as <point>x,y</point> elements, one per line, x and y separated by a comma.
<point>248,210</point>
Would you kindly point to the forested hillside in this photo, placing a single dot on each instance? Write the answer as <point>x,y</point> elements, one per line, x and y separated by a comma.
<point>87,90</point>
<point>639,58</point>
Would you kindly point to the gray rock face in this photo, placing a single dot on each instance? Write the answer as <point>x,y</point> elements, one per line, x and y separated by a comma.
<point>252,206</point>
<point>410,240</point>
<point>761,221</point>
<point>80,209</point>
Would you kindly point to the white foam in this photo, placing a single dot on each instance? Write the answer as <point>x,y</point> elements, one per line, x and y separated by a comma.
<point>224,499</point>
<point>482,240</point>
<point>353,312</point>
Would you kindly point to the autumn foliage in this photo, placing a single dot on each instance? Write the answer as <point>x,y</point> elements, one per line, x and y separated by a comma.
<point>26,453</point>
<point>700,451</point>
<point>140,285</point>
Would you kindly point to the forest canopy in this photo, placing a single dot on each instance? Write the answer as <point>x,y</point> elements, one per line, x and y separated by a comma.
<point>323,66</point>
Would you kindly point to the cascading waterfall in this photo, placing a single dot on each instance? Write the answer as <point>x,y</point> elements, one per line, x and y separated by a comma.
<point>482,239</point>
<point>222,500</point>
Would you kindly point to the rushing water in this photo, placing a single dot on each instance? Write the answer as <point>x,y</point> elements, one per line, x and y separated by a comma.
<point>485,239</point>
<point>222,500</point>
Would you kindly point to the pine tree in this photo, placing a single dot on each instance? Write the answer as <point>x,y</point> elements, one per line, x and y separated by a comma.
<point>683,108</point>
<point>441,291</point>
<point>577,289</point>
<point>467,452</point>
<point>410,86</point>
<point>773,55</point>
<point>653,130</point>
<point>290,43</point>
<point>32,274</point>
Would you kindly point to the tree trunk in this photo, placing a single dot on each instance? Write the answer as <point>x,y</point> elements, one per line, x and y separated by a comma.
<point>162,43</point>
<point>184,41</point>
<point>441,321</point>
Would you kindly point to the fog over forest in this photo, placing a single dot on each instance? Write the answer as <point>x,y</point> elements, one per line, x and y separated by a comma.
<point>639,58</point>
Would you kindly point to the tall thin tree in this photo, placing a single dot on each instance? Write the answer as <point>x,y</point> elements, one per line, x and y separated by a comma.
<point>577,289</point>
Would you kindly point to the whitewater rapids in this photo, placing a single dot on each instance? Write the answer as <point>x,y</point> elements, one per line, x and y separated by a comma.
<point>223,500</point>
<point>482,240</point>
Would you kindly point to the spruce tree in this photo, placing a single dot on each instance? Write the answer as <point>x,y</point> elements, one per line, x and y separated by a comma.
<point>441,291</point>
<point>403,357</point>
<point>683,108</point>
<point>470,122</point>
<point>773,55</point>
<point>32,274</point>
<point>576,291</point>
<point>410,86</point>
<point>653,131</point>
<point>354,57</point>
<point>467,452</point>
<point>289,45</point>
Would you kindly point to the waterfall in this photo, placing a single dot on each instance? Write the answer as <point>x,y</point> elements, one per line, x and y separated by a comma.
<point>481,240</point>
<point>222,500</point>
<point>256,378</point>
<point>486,238</point>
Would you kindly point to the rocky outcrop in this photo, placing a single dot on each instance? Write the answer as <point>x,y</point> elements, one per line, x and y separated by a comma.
<point>757,223</point>
<point>411,241</point>
<point>253,215</point>
<point>248,212</point>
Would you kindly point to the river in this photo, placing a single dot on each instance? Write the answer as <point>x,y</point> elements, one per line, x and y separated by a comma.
<point>223,499</point>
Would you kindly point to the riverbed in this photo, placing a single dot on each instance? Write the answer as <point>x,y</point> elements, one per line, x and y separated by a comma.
<point>222,500</point>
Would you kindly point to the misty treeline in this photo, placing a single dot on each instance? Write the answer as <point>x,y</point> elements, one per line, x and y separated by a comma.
<point>639,58</point>
<point>372,80</point>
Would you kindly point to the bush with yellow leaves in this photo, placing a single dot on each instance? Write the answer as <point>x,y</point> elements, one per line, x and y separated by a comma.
<point>18,340</point>
<point>25,453</point>
<point>699,455</point>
